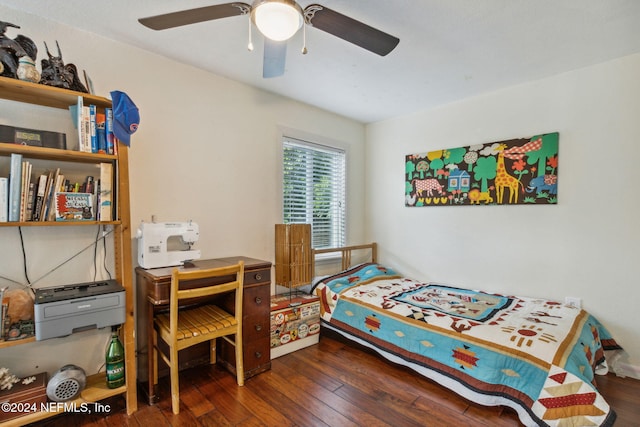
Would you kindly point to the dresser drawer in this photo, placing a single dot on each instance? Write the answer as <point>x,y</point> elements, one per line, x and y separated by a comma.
<point>255,328</point>
<point>256,354</point>
<point>256,301</point>
<point>257,276</point>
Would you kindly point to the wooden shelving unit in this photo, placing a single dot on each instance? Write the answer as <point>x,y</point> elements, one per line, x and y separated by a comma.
<point>37,94</point>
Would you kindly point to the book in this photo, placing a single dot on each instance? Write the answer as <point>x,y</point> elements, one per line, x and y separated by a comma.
<point>4,199</point>
<point>86,129</point>
<point>15,186</point>
<point>101,132</point>
<point>76,116</point>
<point>39,197</point>
<point>57,186</point>
<point>81,115</point>
<point>93,129</point>
<point>47,206</point>
<point>45,199</point>
<point>105,212</point>
<point>24,190</point>
<point>23,181</point>
<point>30,200</point>
<point>109,135</point>
<point>74,206</point>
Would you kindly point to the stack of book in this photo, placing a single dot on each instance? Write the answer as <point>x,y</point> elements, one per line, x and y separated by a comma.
<point>51,197</point>
<point>95,130</point>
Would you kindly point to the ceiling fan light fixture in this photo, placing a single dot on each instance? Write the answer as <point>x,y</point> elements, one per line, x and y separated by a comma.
<point>277,20</point>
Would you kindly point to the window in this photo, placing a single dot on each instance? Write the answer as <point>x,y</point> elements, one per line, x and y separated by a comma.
<point>314,190</point>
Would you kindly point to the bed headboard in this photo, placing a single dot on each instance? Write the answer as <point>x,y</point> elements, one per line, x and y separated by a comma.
<point>345,254</point>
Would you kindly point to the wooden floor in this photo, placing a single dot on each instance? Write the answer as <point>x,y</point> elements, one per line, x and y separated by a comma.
<point>358,389</point>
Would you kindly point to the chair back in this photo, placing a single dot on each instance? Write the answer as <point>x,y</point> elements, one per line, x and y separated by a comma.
<point>218,281</point>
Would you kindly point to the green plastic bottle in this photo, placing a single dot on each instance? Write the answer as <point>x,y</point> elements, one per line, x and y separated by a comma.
<point>115,361</point>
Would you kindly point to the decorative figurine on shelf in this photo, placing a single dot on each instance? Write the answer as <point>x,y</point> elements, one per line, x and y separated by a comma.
<point>27,64</point>
<point>13,50</point>
<point>27,70</point>
<point>55,73</point>
<point>7,379</point>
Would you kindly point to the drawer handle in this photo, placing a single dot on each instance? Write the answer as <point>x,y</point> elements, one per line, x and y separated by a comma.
<point>258,355</point>
<point>258,300</point>
<point>258,328</point>
<point>258,276</point>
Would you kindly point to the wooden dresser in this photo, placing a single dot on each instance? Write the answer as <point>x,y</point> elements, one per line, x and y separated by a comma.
<point>153,296</point>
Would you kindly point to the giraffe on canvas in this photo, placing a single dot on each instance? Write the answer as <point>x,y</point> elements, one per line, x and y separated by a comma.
<point>503,179</point>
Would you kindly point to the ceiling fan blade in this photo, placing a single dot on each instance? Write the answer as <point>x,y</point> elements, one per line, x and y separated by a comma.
<point>275,54</point>
<point>193,16</point>
<point>350,30</point>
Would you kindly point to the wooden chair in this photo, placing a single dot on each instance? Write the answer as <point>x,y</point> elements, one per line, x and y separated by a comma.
<point>182,328</point>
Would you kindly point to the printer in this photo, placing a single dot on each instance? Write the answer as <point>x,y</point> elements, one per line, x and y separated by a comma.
<point>63,310</point>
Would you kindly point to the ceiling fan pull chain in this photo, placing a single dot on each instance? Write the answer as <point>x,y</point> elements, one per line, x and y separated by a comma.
<point>308,15</point>
<point>304,39</point>
<point>250,45</point>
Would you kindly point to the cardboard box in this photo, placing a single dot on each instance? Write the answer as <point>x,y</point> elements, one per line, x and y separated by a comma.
<point>24,399</point>
<point>295,323</point>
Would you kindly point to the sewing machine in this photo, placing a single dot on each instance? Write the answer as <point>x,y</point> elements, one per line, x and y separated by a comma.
<point>162,244</point>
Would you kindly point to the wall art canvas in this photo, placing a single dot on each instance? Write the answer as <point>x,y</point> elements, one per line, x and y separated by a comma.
<point>512,172</point>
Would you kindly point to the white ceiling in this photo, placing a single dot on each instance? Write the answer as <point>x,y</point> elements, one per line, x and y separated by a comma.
<point>449,49</point>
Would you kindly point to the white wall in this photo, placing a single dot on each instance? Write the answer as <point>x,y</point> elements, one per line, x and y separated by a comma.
<point>207,149</point>
<point>586,246</point>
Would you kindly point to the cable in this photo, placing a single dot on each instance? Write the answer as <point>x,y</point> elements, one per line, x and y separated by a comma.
<point>24,256</point>
<point>104,252</point>
<point>104,235</point>
<point>95,255</point>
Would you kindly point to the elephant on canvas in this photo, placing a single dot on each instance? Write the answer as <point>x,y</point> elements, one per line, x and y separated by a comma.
<point>543,183</point>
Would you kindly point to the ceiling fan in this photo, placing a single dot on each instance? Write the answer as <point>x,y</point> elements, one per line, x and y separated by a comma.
<point>279,20</point>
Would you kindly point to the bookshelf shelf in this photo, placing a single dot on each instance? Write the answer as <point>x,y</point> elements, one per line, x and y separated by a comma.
<point>42,95</point>
<point>57,223</point>
<point>95,391</point>
<point>48,96</point>
<point>5,344</point>
<point>55,154</point>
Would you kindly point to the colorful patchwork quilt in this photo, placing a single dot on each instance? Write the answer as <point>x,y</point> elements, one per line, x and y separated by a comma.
<point>534,355</point>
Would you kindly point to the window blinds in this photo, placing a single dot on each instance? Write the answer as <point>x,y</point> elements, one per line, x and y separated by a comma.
<point>314,190</point>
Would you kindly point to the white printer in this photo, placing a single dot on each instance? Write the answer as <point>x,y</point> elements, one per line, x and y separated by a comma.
<point>63,310</point>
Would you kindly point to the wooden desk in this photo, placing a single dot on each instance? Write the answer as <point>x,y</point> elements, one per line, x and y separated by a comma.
<point>153,288</point>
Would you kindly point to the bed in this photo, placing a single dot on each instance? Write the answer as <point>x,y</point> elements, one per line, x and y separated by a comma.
<point>534,355</point>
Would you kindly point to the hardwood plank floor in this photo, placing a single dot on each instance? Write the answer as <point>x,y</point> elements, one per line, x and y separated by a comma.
<point>357,388</point>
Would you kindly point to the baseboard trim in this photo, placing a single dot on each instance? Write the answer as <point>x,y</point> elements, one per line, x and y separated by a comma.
<point>627,370</point>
